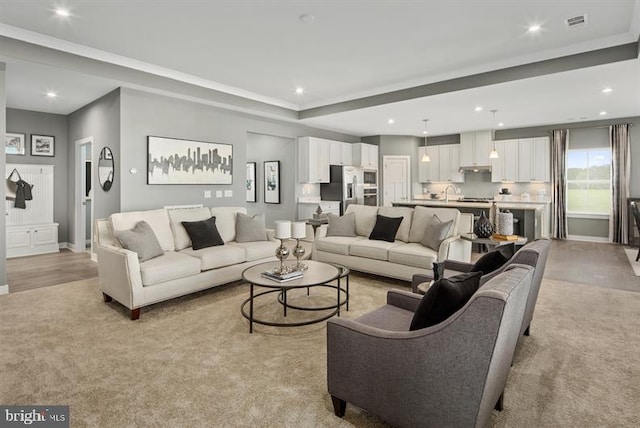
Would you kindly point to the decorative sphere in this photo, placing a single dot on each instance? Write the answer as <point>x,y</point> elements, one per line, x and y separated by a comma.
<point>282,252</point>
<point>298,251</point>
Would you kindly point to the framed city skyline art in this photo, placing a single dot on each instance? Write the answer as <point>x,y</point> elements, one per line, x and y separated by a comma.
<point>178,161</point>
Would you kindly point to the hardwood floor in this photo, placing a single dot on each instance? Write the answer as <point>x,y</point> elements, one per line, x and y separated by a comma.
<point>28,273</point>
<point>602,265</point>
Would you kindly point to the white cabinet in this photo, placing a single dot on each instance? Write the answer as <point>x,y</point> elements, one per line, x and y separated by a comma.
<point>475,148</point>
<point>444,165</point>
<point>313,160</point>
<point>365,155</point>
<point>340,153</point>
<point>428,172</point>
<point>32,239</point>
<point>534,162</point>
<point>449,163</point>
<point>505,168</point>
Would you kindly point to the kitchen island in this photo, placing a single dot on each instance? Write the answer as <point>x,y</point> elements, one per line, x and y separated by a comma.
<point>533,216</point>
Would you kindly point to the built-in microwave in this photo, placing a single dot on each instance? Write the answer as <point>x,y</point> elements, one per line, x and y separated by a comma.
<point>370,177</point>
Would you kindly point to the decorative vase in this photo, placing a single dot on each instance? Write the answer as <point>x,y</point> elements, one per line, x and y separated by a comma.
<point>483,227</point>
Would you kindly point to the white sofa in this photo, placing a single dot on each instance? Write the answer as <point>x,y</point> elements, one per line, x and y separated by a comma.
<point>180,270</point>
<point>404,257</point>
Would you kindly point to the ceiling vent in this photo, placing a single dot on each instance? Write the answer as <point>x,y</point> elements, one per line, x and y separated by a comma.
<point>576,21</point>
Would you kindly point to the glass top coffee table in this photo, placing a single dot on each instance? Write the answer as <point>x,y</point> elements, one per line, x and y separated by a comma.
<point>318,274</point>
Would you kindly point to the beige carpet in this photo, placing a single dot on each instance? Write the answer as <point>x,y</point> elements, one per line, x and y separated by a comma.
<point>192,363</point>
<point>632,253</point>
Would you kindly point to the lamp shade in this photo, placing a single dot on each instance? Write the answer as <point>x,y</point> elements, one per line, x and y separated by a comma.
<point>283,229</point>
<point>298,230</point>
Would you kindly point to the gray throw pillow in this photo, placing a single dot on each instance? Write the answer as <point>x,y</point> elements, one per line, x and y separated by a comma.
<point>250,229</point>
<point>436,232</point>
<point>140,240</point>
<point>342,226</point>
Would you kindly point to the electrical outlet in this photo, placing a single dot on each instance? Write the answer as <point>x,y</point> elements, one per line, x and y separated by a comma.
<point>218,193</point>
<point>207,194</point>
<point>228,193</point>
<point>458,190</point>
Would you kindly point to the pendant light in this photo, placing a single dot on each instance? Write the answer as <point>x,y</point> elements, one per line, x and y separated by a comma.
<point>494,153</point>
<point>425,156</point>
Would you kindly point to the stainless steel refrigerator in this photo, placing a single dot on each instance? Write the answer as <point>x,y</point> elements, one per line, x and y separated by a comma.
<point>345,185</point>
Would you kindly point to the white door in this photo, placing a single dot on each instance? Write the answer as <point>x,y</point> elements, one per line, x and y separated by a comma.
<point>396,179</point>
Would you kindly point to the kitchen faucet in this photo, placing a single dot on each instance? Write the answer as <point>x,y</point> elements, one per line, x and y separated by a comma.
<point>446,192</point>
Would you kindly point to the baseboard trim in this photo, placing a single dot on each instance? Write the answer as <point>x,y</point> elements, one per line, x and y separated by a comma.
<point>586,238</point>
<point>67,246</point>
<point>94,257</point>
<point>4,289</point>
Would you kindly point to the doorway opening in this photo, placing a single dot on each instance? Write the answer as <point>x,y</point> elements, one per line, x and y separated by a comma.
<point>84,201</point>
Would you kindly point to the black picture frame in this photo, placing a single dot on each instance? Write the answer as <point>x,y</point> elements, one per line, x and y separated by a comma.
<point>272,182</point>
<point>43,145</point>
<point>181,161</point>
<point>252,194</point>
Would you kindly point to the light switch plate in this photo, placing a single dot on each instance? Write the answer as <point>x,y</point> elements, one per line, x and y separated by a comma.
<point>207,194</point>
<point>228,193</point>
<point>218,193</point>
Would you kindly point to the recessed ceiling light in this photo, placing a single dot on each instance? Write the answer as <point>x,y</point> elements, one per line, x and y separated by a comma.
<point>299,90</point>
<point>478,108</point>
<point>391,121</point>
<point>607,90</point>
<point>51,94</point>
<point>307,18</point>
<point>425,132</point>
<point>534,28</point>
<point>603,113</point>
<point>501,124</point>
<point>62,12</point>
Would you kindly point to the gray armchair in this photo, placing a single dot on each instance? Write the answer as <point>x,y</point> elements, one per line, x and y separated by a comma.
<point>448,375</point>
<point>533,254</point>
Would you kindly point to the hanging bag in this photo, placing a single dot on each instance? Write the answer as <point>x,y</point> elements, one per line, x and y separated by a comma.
<point>12,186</point>
<point>18,191</point>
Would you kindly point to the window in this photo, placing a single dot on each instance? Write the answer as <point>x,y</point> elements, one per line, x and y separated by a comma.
<point>589,181</point>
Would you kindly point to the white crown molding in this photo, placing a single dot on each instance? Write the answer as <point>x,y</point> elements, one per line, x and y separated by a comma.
<point>634,28</point>
<point>100,55</point>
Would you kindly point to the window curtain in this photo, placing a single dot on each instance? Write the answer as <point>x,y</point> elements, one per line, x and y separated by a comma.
<point>620,170</point>
<point>559,141</point>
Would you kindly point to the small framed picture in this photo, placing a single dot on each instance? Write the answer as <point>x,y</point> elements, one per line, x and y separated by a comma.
<point>42,145</point>
<point>272,182</point>
<point>15,143</point>
<point>251,182</point>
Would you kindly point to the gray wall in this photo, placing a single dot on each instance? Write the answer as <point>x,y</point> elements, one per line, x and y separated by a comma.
<point>100,120</point>
<point>146,114</point>
<point>3,230</point>
<point>262,148</point>
<point>31,122</point>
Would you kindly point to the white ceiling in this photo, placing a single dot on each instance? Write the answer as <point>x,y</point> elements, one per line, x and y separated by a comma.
<point>262,50</point>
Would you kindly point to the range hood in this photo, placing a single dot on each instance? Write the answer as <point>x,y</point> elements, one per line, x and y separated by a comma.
<point>475,168</point>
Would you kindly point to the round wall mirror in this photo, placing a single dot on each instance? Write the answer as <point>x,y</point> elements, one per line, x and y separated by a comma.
<point>106,169</point>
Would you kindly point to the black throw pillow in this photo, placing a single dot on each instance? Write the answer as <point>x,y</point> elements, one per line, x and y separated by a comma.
<point>385,228</point>
<point>444,298</point>
<point>203,233</point>
<point>494,259</point>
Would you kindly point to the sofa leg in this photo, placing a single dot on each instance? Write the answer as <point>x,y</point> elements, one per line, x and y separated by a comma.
<point>500,403</point>
<point>527,331</point>
<point>135,314</point>
<point>339,406</point>
<point>106,297</point>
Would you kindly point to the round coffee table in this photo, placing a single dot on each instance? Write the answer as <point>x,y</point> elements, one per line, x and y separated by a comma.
<point>318,274</point>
